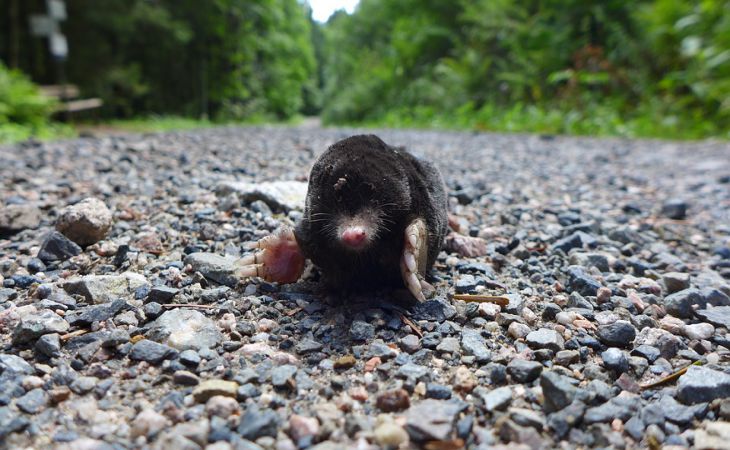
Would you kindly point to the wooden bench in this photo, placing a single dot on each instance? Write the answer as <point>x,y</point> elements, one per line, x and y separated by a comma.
<point>68,96</point>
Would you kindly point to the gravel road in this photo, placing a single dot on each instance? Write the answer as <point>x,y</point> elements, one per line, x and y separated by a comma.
<point>605,265</point>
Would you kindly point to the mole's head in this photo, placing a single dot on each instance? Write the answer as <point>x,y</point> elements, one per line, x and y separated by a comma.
<point>358,191</point>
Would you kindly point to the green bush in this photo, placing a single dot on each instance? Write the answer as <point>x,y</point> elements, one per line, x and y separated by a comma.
<point>24,112</point>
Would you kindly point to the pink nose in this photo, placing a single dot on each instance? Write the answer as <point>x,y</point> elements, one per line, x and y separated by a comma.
<point>353,236</point>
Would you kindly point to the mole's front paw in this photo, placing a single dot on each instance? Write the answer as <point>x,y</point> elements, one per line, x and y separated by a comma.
<point>414,259</point>
<point>279,258</point>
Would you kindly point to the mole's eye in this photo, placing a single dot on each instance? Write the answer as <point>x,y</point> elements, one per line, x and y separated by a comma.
<point>340,184</point>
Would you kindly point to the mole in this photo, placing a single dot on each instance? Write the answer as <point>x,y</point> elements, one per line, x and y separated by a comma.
<point>374,216</point>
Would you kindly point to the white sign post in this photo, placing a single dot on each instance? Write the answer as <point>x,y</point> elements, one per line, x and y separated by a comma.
<point>47,26</point>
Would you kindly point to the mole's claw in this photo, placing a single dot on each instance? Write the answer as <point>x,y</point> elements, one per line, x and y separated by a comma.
<point>280,258</point>
<point>250,270</point>
<point>414,285</point>
<point>410,261</point>
<point>413,260</point>
<point>253,258</point>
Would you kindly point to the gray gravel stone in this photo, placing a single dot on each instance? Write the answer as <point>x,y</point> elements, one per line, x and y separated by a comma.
<point>702,384</point>
<point>615,360</point>
<point>545,338</point>
<point>57,247</point>
<point>495,399</point>
<point>33,326</point>
<point>675,281</point>
<point>33,402</point>
<point>162,294</point>
<point>620,333</point>
<point>185,329</point>
<point>14,365</point>
<point>719,316</point>
<point>256,423</point>
<point>106,288</point>
<point>623,407</point>
<point>221,269</point>
<point>49,345</point>
<point>282,377</point>
<point>680,303</point>
<point>149,351</point>
<point>558,391</point>
<point>474,344</point>
<point>523,371</point>
<point>580,282</point>
<point>675,209</point>
<point>361,331</point>
<point>430,419</point>
<point>278,195</point>
<point>14,218</point>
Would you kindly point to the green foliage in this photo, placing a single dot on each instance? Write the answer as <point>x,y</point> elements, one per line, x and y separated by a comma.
<point>20,100</point>
<point>642,68</point>
<point>617,67</point>
<point>24,112</point>
<point>223,59</point>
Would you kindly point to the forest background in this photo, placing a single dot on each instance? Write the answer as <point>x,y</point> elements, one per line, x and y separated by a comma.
<point>641,68</point>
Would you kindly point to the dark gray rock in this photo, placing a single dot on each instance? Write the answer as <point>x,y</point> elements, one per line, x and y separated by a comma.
<point>680,303</point>
<point>282,377</point>
<point>588,260</point>
<point>620,333</point>
<point>438,391</point>
<point>432,419</point>
<point>33,402</point>
<point>7,294</point>
<point>49,345</point>
<point>567,418</point>
<point>308,346</point>
<point>361,331</point>
<point>495,399</point>
<point>719,316</point>
<point>523,371</point>
<point>675,209</point>
<point>675,281</point>
<point>578,239</point>
<point>715,297</point>
<point>646,351</point>
<point>33,326</point>
<point>615,360</point>
<point>150,351</point>
<point>621,407</point>
<point>580,282</point>
<point>11,422</point>
<point>474,344</point>
<point>14,365</point>
<point>57,247</point>
<point>97,313</point>
<point>256,423</point>
<point>221,269</point>
<point>162,294</point>
<point>702,384</point>
<point>558,391</point>
<point>433,310</point>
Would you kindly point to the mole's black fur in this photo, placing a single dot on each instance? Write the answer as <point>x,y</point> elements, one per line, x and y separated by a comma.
<point>362,175</point>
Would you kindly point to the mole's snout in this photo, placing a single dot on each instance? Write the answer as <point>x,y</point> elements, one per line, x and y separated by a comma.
<point>354,237</point>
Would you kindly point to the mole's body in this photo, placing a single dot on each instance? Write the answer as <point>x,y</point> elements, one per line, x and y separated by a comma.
<point>374,215</point>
